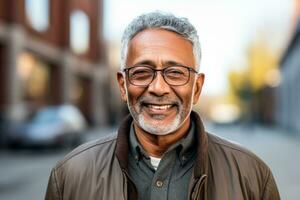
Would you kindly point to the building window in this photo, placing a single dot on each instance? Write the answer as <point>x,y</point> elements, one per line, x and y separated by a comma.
<point>79,32</point>
<point>37,13</point>
<point>34,75</point>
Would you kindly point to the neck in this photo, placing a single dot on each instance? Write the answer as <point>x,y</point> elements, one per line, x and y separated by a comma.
<point>157,145</point>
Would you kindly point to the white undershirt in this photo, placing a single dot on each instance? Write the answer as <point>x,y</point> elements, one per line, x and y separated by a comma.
<point>154,162</point>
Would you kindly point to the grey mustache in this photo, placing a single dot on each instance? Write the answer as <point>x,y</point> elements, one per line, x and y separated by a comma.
<point>160,100</point>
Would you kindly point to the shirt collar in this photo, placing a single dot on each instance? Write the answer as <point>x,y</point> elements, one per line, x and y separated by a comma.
<point>188,145</point>
<point>184,147</point>
<point>135,148</point>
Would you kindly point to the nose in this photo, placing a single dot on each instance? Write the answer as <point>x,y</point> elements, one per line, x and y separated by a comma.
<point>159,86</point>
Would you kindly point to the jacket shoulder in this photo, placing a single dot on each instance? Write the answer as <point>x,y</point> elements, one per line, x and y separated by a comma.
<point>91,164</point>
<point>90,150</point>
<point>233,148</point>
<point>236,164</point>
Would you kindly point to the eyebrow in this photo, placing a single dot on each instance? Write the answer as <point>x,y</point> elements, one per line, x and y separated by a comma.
<point>151,63</point>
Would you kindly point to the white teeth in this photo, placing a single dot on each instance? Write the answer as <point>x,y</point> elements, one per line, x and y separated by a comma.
<point>163,107</point>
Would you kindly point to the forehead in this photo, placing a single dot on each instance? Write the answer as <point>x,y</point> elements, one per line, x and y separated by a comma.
<point>160,45</point>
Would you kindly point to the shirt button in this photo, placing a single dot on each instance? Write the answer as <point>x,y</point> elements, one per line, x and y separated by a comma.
<point>159,183</point>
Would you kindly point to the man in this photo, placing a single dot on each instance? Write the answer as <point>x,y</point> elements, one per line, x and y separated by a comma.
<point>161,150</point>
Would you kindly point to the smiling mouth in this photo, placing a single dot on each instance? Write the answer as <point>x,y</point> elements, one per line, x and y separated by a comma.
<point>159,107</point>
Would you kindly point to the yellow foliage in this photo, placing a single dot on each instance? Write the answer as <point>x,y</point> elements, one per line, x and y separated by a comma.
<point>261,61</point>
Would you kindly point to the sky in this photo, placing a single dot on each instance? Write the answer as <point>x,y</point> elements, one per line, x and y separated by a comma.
<point>225,28</point>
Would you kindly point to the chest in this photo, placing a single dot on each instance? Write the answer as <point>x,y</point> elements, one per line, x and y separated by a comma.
<point>169,181</point>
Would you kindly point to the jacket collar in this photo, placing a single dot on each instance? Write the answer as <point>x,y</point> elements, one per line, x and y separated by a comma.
<point>200,167</point>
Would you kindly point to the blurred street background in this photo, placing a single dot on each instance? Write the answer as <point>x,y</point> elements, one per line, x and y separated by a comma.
<point>58,88</point>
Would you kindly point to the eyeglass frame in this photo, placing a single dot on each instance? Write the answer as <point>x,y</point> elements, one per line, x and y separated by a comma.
<point>190,69</point>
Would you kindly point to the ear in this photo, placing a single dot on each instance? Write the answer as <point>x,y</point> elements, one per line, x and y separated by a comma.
<point>122,86</point>
<point>198,87</point>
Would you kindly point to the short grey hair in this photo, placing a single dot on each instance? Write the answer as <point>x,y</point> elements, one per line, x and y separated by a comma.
<point>161,20</point>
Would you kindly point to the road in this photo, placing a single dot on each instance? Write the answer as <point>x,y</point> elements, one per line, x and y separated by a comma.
<point>24,174</point>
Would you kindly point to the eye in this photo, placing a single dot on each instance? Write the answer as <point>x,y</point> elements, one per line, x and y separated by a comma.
<point>175,72</point>
<point>140,72</point>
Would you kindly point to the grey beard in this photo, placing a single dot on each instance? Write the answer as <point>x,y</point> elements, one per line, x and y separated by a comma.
<point>155,129</point>
<point>159,130</point>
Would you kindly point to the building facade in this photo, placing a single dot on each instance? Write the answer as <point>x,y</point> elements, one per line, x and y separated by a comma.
<point>52,52</point>
<point>288,93</point>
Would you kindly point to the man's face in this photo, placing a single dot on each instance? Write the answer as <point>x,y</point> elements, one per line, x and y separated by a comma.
<point>159,108</point>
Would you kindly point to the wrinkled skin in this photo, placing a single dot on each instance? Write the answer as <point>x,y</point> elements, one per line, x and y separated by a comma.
<point>160,109</point>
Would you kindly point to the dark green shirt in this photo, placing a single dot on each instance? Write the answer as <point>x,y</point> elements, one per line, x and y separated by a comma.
<point>171,179</point>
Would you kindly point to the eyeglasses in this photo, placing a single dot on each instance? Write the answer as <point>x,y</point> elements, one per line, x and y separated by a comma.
<point>143,75</point>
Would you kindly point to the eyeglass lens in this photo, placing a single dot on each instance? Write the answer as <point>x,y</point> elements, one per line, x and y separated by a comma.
<point>143,76</point>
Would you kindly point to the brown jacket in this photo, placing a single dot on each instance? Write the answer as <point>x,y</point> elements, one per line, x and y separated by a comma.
<point>223,171</point>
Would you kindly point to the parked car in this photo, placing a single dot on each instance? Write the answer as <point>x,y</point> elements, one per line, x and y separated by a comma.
<point>62,125</point>
<point>3,128</point>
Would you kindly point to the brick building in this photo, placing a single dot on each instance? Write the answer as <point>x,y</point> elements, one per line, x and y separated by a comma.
<point>52,52</point>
